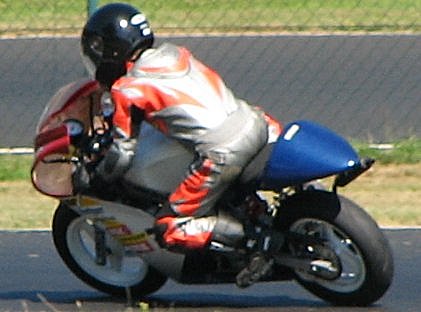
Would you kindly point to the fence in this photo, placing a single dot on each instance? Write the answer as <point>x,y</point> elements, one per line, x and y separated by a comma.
<point>353,65</point>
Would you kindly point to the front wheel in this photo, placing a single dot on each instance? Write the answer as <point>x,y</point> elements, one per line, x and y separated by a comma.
<point>74,239</point>
<point>354,264</point>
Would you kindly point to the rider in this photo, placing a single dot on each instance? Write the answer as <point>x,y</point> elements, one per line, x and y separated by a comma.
<point>187,101</point>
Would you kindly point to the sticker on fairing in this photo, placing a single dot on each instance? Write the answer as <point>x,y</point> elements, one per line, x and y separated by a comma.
<point>291,132</point>
<point>139,242</point>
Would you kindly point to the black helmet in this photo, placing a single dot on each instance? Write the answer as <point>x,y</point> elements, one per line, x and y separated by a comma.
<point>110,37</point>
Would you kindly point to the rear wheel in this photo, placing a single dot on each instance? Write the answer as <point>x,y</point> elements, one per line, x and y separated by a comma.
<point>354,264</point>
<point>74,239</point>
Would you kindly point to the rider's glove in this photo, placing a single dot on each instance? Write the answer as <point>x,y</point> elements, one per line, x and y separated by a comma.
<point>99,143</point>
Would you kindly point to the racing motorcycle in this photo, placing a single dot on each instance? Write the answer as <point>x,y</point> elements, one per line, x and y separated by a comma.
<point>325,242</point>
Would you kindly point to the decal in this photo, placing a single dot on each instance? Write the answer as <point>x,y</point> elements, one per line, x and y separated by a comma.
<point>140,21</point>
<point>292,131</point>
<point>137,19</point>
<point>124,23</point>
<point>138,242</point>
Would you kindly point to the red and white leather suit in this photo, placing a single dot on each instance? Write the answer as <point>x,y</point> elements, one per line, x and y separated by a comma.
<point>189,102</point>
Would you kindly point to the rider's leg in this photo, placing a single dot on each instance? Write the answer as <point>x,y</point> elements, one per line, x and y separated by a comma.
<point>190,220</point>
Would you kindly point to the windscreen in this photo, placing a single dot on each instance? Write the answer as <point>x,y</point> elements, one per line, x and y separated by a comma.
<point>53,164</point>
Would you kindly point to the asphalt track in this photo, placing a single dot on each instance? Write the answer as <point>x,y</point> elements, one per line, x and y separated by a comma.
<point>360,86</point>
<point>33,278</point>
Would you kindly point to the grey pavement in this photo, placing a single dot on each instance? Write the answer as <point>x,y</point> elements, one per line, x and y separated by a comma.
<point>33,278</point>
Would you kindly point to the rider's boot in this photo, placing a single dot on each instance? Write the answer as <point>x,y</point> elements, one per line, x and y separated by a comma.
<point>259,266</point>
<point>181,233</point>
<point>261,261</point>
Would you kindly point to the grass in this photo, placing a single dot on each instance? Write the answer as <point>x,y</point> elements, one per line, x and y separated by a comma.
<point>14,167</point>
<point>390,191</point>
<point>22,207</point>
<point>406,151</point>
<point>52,16</point>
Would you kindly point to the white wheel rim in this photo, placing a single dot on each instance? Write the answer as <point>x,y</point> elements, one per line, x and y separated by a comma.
<point>120,269</point>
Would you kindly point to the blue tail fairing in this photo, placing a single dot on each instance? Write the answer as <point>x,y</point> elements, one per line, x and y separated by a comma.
<point>306,151</point>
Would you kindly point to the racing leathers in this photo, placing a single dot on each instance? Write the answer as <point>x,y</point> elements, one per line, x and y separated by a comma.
<point>190,103</point>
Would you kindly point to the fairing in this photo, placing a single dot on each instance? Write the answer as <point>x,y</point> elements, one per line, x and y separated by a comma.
<point>306,151</point>
<point>72,101</point>
<point>49,175</point>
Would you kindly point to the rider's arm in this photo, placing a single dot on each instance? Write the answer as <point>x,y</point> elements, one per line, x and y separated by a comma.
<point>116,157</point>
<point>122,113</point>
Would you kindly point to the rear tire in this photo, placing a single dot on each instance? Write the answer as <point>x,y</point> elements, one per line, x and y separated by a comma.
<point>71,230</point>
<point>352,235</point>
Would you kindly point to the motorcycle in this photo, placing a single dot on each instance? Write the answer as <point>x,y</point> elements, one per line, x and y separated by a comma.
<point>325,242</point>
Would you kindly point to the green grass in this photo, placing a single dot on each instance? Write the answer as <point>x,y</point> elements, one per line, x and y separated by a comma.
<point>400,152</point>
<point>15,167</point>
<point>21,16</point>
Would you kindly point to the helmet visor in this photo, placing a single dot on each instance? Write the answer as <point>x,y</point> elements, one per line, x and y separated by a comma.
<point>92,52</point>
<point>96,46</point>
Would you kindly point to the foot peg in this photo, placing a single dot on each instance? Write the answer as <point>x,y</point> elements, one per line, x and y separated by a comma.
<point>258,268</point>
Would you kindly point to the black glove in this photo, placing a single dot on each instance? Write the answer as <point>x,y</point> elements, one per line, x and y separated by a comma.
<point>99,143</point>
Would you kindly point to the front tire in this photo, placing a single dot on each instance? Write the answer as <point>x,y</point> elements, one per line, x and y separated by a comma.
<point>73,239</point>
<point>356,247</point>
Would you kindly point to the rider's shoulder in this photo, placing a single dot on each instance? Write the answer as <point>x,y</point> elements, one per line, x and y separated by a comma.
<point>165,59</point>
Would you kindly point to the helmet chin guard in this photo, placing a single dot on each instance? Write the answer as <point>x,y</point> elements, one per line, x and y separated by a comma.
<point>108,72</point>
